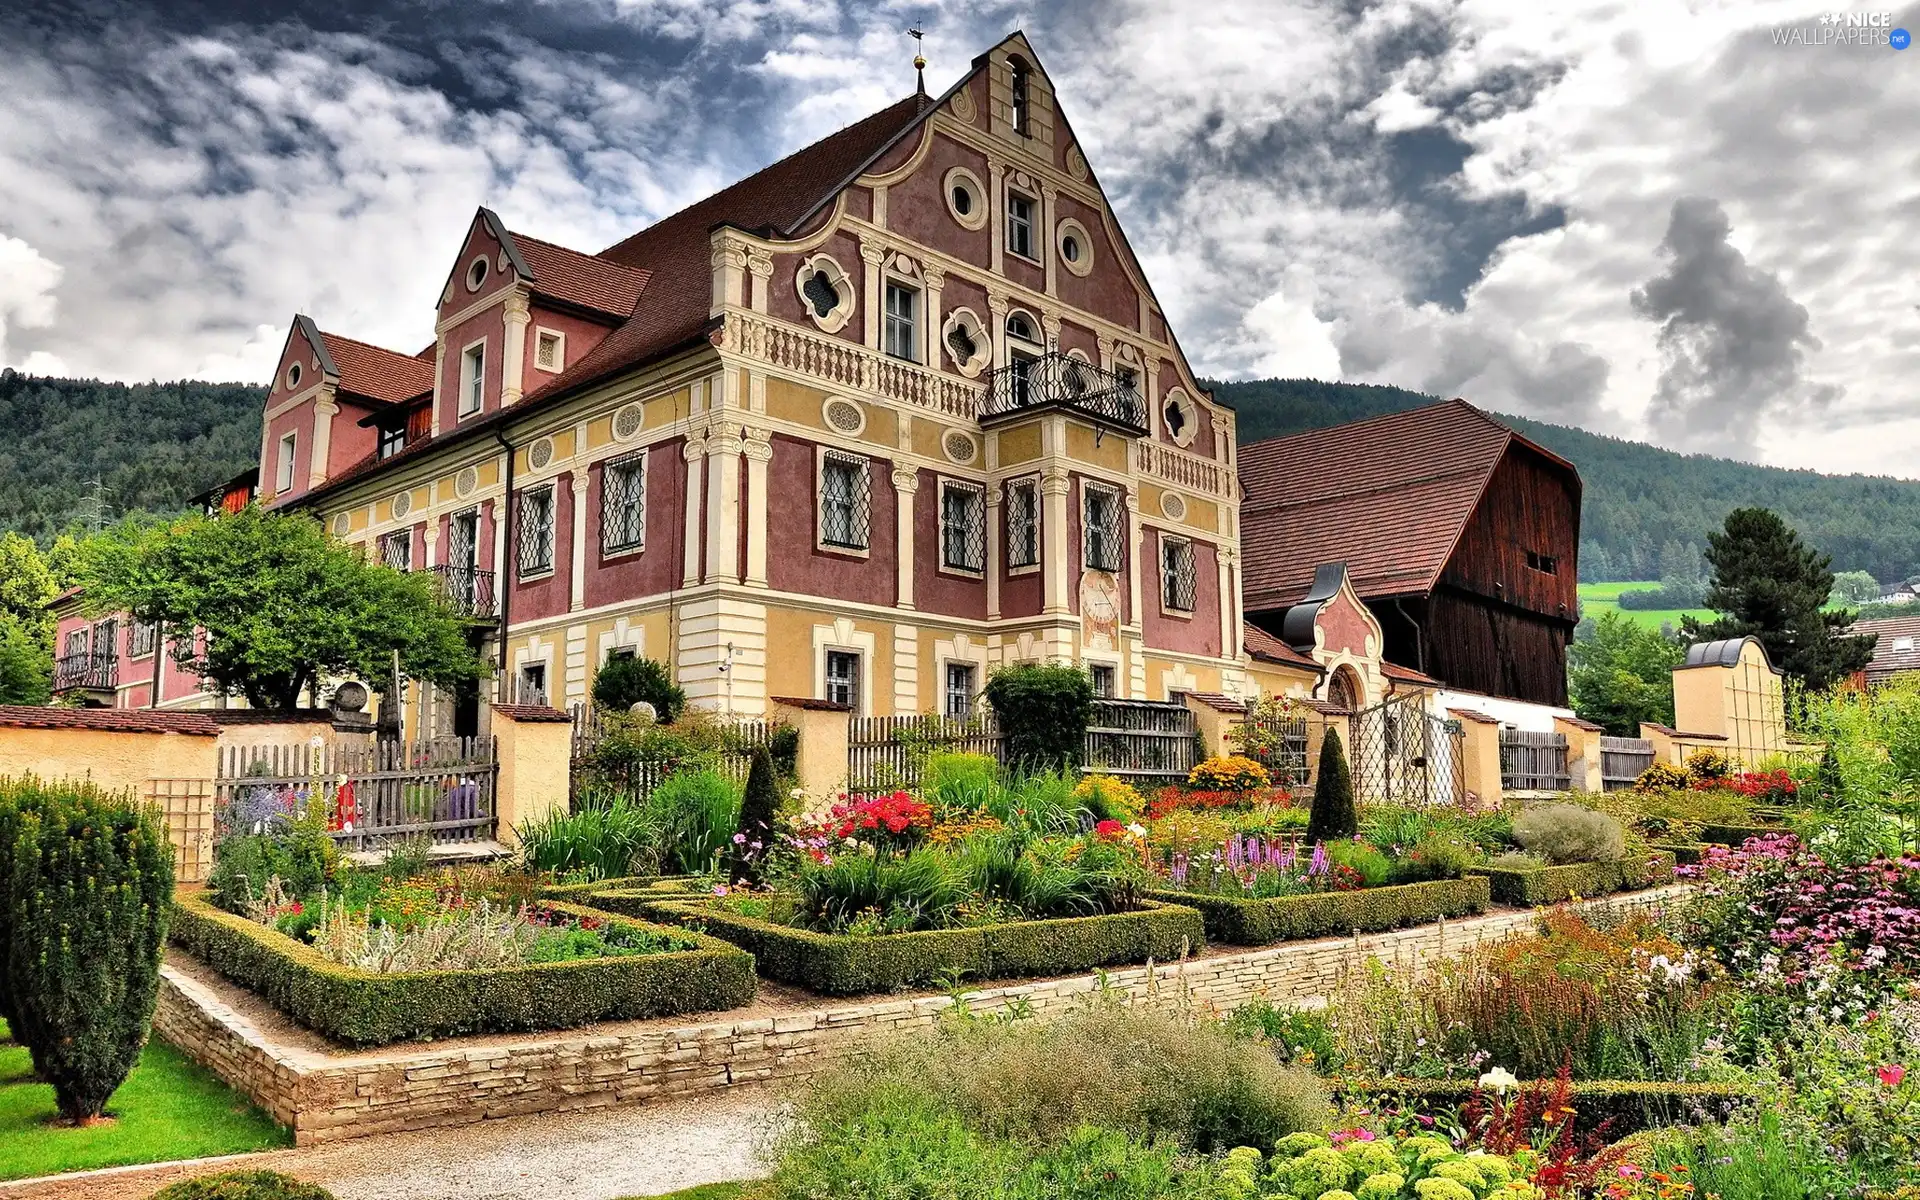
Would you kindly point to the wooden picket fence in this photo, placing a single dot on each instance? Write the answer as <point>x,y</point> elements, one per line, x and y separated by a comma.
<point>890,752</point>
<point>638,779</point>
<point>1622,760</point>
<point>376,792</point>
<point>1143,740</point>
<point>1532,761</point>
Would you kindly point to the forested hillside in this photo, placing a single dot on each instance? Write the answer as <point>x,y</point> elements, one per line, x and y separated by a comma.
<point>151,446</point>
<point>1640,499</point>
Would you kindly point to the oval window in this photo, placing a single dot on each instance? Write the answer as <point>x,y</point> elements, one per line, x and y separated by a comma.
<point>962,200</point>
<point>293,376</point>
<point>476,274</point>
<point>1070,248</point>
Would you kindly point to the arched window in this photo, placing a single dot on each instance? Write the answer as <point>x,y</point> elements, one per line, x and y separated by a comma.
<point>1021,106</point>
<point>1020,327</point>
<point>1344,689</point>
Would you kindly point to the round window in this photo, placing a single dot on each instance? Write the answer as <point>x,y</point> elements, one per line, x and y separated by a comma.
<point>962,200</point>
<point>476,274</point>
<point>1070,248</point>
<point>293,376</point>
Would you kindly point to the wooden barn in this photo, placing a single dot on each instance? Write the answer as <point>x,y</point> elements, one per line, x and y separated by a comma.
<point>1458,533</point>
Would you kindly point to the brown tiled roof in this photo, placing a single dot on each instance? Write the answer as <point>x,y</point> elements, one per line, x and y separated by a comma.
<point>1263,645</point>
<point>1219,701</point>
<point>677,251</point>
<point>675,257</point>
<point>1474,715</point>
<point>581,279</point>
<point>1671,732</point>
<point>533,712</point>
<point>108,720</point>
<point>1325,708</point>
<point>1388,496</point>
<point>1888,660</point>
<point>376,372</point>
<point>809,704</point>
<point>1400,674</point>
<point>1583,723</point>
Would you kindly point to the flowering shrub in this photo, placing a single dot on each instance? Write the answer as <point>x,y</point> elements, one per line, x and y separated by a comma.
<point>1175,799</point>
<point>1229,773</point>
<point>1708,766</point>
<point>1823,936</point>
<point>1109,799</point>
<point>1662,777</point>
<point>893,822</point>
<point>954,830</point>
<point>1773,787</point>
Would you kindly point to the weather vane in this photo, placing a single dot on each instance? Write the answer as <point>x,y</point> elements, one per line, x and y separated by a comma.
<point>919,60</point>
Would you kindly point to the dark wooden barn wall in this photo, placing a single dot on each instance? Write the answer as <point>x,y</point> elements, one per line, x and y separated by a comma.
<point>1479,645</point>
<point>1530,504</point>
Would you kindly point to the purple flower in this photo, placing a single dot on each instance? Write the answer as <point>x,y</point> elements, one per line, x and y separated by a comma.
<point>1318,864</point>
<point>739,839</point>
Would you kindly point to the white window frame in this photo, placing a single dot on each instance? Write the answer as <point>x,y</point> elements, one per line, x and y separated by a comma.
<point>915,321</point>
<point>1088,488</point>
<point>473,383</point>
<point>843,287</point>
<point>855,686</point>
<point>822,456</point>
<point>1169,565</point>
<point>948,695</point>
<point>1031,224</point>
<point>283,472</point>
<point>401,538</point>
<point>1031,485</point>
<point>978,520</point>
<point>635,462</point>
<point>559,339</point>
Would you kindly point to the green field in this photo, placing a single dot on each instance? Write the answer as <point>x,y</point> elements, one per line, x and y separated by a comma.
<point>1596,598</point>
<point>168,1108</point>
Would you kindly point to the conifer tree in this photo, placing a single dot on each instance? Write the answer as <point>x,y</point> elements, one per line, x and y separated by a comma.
<point>759,806</point>
<point>1333,816</point>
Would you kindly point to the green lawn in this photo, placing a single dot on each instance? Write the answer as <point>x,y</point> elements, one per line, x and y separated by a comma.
<point>1596,598</point>
<point>169,1108</point>
<point>706,1191</point>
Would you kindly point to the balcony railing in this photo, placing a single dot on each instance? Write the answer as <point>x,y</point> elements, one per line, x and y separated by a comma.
<point>94,671</point>
<point>467,590</point>
<point>1058,380</point>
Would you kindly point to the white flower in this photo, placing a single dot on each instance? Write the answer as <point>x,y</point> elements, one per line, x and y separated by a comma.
<point>1499,1079</point>
<point>1137,829</point>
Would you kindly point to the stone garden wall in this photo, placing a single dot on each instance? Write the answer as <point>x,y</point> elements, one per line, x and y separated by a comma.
<point>328,1097</point>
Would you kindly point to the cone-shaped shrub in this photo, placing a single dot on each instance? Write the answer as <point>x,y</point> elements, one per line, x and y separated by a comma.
<point>87,900</point>
<point>1333,815</point>
<point>17,796</point>
<point>758,806</point>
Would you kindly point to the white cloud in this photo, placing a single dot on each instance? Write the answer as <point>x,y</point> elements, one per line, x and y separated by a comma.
<point>27,281</point>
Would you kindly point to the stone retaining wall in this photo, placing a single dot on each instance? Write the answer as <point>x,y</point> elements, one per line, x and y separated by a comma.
<point>325,1097</point>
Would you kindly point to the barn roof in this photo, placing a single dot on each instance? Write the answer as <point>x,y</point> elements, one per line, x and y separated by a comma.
<point>1390,496</point>
<point>1898,649</point>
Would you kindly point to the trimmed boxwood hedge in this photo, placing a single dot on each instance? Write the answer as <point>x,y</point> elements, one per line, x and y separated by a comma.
<point>1686,854</point>
<point>1622,1106</point>
<point>844,965</point>
<point>365,1008</point>
<point>1242,922</point>
<point>581,893</point>
<point>1737,835</point>
<point>1551,885</point>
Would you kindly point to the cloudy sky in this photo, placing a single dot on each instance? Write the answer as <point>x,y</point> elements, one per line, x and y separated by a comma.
<point>1672,219</point>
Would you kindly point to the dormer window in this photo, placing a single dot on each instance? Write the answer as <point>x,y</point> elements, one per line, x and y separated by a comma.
<point>1022,103</point>
<point>393,439</point>
<point>550,350</point>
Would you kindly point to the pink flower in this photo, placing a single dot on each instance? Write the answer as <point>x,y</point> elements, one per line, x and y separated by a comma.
<point>719,889</point>
<point>1892,1074</point>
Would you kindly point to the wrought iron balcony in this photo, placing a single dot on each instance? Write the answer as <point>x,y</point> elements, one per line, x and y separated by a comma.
<point>94,671</point>
<point>467,590</point>
<point>1057,380</point>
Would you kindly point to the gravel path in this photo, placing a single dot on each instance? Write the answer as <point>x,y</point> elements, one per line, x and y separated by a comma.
<point>600,1154</point>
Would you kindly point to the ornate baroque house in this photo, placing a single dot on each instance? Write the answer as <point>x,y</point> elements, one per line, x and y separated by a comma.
<point>894,411</point>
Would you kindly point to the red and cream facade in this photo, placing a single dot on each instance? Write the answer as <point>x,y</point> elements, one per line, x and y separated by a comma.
<point>868,425</point>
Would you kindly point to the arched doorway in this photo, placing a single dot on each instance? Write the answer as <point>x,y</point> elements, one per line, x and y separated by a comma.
<point>1345,689</point>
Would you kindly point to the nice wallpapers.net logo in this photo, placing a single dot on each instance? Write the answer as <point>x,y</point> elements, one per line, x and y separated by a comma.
<point>1845,30</point>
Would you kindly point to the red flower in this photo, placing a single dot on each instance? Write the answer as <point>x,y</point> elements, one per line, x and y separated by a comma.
<point>1892,1074</point>
<point>1110,831</point>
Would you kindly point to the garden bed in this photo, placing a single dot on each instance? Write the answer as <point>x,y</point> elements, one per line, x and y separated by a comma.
<point>1551,885</point>
<point>1619,1106</point>
<point>582,893</point>
<point>852,965</point>
<point>369,1008</point>
<point>1261,922</point>
<point>1685,854</point>
<point>1726,834</point>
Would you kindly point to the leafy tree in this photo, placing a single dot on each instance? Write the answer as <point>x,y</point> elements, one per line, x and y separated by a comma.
<point>624,682</point>
<point>1044,711</point>
<point>1623,675</point>
<point>1770,585</point>
<point>1333,815</point>
<point>26,662</point>
<point>281,607</point>
<point>87,898</point>
<point>1856,587</point>
<point>759,806</point>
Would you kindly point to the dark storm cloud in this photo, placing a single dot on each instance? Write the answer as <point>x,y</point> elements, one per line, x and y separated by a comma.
<point>1733,344</point>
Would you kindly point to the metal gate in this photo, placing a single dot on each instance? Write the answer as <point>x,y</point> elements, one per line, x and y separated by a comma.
<point>1402,754</point>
